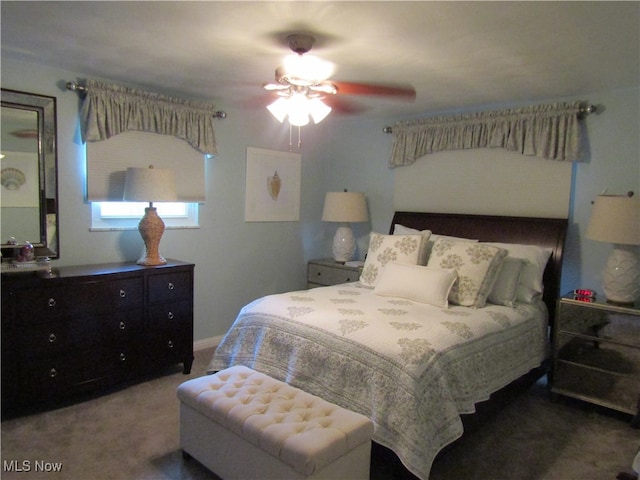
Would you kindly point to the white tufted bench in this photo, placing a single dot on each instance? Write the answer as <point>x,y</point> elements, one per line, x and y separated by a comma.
<point>242,424</point>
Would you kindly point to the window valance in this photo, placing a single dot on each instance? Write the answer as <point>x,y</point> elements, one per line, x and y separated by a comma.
<point>108,110</point>
<point>547,131</point>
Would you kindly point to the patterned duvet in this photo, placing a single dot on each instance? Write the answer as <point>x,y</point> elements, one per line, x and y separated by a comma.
<point>411,367</point>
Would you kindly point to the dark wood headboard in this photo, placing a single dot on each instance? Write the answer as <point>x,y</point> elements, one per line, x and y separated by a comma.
<point>544,232</point>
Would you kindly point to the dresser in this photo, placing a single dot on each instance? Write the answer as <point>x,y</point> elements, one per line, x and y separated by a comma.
<point>82,328</point>
<point>326,271</point>
<point>596,353</point>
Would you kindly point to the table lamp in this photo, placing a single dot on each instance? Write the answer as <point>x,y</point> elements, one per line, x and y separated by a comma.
<point>150,185</point>
<point>616,219</point>
<point>344,208</point>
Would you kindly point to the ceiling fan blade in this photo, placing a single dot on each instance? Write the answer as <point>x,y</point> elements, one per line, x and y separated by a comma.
<point>406,92</point>
<point>274,86</point>
<point>342,105</point>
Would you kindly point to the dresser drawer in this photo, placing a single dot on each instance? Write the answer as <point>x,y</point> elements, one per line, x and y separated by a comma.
<point>330,275</point>
<point>116,295</point>
<point>89,297</point>
<point>169,287</point>
<point>60,375</point>
<point>171,315</point>
<point>122,327</point>
<point>45,339</point>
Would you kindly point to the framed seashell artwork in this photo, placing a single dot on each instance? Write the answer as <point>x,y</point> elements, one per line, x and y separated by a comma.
<point>272,186</point>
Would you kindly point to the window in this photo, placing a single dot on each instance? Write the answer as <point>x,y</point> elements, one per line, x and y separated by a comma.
<point>127,215</point>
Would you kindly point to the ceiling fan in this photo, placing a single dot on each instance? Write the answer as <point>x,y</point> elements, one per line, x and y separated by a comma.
<point>302,83</point>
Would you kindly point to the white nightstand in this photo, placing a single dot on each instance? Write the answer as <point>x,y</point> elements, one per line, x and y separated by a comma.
<point>325,271</point>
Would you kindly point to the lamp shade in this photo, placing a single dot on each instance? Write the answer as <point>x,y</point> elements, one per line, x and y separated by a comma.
<point>150,185</point>
<point>345,207</point>
<point>615,219</point>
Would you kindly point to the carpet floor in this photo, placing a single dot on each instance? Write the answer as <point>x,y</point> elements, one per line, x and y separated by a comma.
<point>132,434</point>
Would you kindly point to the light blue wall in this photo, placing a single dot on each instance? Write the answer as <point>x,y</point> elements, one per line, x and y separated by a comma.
<point>358,159</point>
<point>237,262</point>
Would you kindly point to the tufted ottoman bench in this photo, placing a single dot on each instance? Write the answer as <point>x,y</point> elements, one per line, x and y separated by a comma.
<point>243,424</point>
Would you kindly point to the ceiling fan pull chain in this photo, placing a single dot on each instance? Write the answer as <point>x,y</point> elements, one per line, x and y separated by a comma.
<point>290,138</point>
<point>299,139</point>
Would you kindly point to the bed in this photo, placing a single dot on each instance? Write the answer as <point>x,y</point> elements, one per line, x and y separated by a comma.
<point>413,360</point>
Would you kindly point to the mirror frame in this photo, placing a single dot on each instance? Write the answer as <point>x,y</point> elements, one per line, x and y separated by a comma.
<point>46,108</point>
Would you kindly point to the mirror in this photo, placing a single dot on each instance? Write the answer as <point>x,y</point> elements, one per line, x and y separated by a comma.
<point>29,173</point>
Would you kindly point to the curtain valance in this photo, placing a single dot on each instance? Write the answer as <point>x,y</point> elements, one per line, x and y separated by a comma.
<point>108,110</point>
<point>547,131</point>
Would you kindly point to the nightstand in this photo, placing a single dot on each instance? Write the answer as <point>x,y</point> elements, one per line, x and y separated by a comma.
<point>596,354</point>
<point>325,271</point>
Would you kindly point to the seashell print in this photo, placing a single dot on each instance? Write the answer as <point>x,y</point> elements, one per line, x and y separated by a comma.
<point>12,178</point>
<point>273,185</point>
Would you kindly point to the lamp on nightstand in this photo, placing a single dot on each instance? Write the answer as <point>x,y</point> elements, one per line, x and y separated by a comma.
<point>616,219</point>
<point>344,208</point>
<point>150,185</point>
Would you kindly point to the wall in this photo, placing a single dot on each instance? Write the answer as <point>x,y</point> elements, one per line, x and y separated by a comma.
<point>236,261</point>
<point>612,161</point>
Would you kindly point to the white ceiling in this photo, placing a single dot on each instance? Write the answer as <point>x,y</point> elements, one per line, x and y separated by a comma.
<point>455,54</point>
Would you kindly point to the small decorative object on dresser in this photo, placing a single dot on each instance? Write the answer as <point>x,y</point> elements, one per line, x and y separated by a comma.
<point>325,271</point>
<point>596,353</point>
<point>83,328</point>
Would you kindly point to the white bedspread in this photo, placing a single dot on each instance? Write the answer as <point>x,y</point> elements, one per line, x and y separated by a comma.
<point>410,367</point>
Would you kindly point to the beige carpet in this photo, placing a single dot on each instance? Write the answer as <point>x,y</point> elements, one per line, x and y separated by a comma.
<point>132,434</point>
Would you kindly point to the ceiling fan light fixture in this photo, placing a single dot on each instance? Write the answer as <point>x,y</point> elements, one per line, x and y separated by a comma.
<point>298,105</point>
<point>318,110</point>
<point>306,69</point>
<point>299,108</point>
<point>279,108</point>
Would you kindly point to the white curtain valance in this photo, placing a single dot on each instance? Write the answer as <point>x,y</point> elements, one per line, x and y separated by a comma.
<point>548,131</point>
<point>108,110</point>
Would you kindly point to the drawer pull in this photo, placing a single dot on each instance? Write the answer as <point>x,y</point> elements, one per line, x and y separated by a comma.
<point>319,273</point>
<point>123,357</point>
<point>123,294</point>
<point>52,338</point>
<point>170,344</point>
<point>170,315</point>
<point>171,286</point>
<point>53,373</point>
<point>348,279</point>
<point>52,302</point>
<point>122,326</point>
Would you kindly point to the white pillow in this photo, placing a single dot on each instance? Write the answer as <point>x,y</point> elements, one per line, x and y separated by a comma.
<point>505,289</point>
<point>477,265</point>
<point>535,260</point>
<point>388,248</point>
<point>425,247</point>
<point>417,283</point>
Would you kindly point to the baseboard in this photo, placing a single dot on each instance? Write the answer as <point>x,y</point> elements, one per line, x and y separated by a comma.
<point>205,343</point>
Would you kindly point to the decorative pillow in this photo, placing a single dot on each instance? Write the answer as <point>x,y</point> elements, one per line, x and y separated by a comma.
<point>535,260</point>
<point>505,289</point>
<point>425,247</point>
<point>477,266</point>
<point>388,248</point>
<point>417,283</point>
